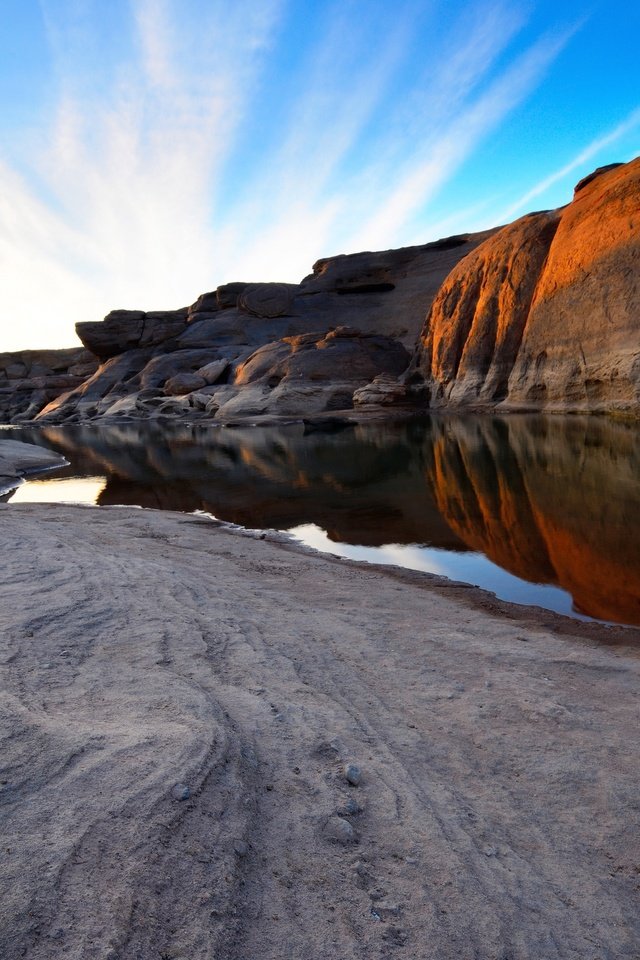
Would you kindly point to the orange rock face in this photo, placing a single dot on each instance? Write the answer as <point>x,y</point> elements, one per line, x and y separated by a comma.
<point>581,347</point>
<point>478,317</point>
<point>545,314</point>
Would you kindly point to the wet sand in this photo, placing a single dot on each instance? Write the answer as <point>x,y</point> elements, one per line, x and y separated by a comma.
<point>147,656</point>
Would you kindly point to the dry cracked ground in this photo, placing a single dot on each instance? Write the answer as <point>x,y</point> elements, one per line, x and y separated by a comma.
<point>179,704</point>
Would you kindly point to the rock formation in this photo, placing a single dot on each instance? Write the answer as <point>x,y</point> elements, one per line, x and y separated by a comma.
<point>542,314</point>
<point>30,379</point>
<point>545,314</point>
<point>354,319</point>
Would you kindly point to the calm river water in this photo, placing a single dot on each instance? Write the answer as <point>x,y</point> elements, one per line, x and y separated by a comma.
<point>540,510</point>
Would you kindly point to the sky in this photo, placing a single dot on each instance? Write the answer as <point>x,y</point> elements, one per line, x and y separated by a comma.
<point>151,150</point>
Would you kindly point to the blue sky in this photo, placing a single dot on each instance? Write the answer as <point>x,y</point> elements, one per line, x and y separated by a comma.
<point>152,149</point>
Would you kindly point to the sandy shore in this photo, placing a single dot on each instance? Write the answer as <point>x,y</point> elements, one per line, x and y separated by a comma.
<point>497,814</point>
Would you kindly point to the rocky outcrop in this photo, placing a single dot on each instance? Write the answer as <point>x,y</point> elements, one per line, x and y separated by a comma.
<point>581,347</point>
<point>197,362</point>
<point>545,314</point>
<point>542,314</point>
<point>123,330</point>
<point>479,315</point>
<point>309,374</point>
<point>386,292</point>
<point>267,299</point>
<point>30,379</point>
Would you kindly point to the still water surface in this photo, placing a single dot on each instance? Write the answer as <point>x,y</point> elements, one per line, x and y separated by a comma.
<point>540,510</point>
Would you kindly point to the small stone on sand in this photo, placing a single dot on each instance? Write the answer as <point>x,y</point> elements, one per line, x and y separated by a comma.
<point>181,792</point>
<point>353,774</point>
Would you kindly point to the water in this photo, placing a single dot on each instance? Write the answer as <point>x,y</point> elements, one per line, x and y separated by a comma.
<point>540,510</point>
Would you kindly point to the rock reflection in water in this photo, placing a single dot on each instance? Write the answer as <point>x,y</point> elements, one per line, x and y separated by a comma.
<point>553,500</point>
<point>364,485</point>
<point>550,499</point>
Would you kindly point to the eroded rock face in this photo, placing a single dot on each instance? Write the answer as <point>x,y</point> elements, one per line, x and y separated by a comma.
<point>30,379</point>
<point>123,330</point>
<point>309,374</point>
<point>267,299</point>
<point>581,347</point>
<point>478,317</point>
<point>546,313</point>
<point>387,292</point>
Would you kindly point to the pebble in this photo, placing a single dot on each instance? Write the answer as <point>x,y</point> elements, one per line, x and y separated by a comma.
<point>353,774</point>
<point>240,848</point>
<point>340,831</point>
<point>181,792</point>
<point>352,808</point>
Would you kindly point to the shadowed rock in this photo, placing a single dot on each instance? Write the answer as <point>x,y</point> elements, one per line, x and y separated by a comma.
<point>123,330</point>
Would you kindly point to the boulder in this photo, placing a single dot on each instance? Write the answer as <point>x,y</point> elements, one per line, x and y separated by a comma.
<point>120,330</point>
<point>343,354</point>
<point>223,297</point>
<point>309,374</point>
<point>161,367</point>
<point>213,372</point>
<point>383,391</point>
<point>184,383</point>
<point>227,294</point>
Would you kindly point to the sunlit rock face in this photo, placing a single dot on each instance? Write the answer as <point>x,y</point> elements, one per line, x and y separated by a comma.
<point>477,321</point>
<point>581,347</point>
<point>546,313</point>
<point>529,494</point>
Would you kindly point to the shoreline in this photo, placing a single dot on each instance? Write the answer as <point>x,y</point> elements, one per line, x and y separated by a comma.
<point>147,650</point>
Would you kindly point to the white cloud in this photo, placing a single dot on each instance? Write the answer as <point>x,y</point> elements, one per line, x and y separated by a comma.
<point>127,201</point>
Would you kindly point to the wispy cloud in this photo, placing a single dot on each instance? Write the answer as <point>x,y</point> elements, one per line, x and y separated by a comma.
<point>133,199</point>
<point>116,209</point>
